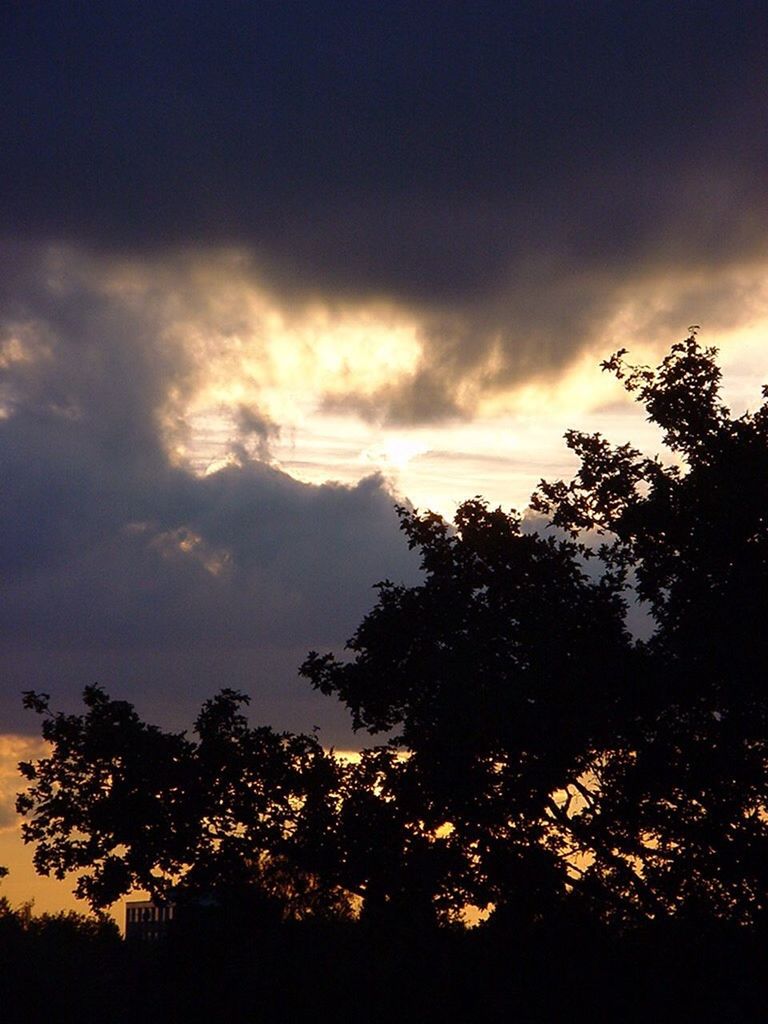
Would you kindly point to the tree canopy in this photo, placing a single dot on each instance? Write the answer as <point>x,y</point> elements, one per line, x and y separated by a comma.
<point>687,794</point>
<point>491,678</point>
<point>130,806</point>
<point>534,757</point>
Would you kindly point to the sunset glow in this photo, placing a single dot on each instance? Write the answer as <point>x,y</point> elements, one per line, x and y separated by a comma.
<point>269,270</point>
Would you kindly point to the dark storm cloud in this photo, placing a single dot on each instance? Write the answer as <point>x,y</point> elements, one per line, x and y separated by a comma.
<point>118,565</point>
<point>507,170</point>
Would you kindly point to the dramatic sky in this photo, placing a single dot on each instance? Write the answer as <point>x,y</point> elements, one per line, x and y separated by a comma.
<point>268,267</point>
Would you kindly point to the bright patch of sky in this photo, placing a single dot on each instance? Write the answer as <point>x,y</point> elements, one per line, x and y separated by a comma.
<point>500,454</point>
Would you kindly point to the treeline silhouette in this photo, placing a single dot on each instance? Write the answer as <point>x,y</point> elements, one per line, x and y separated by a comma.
<point>597,802</point>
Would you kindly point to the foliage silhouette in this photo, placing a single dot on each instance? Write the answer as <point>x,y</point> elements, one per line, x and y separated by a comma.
<point>56,966</point>
<point>234,813</point>
<point>684,796</point>
<point>502,676</point>
<point>536,758</point>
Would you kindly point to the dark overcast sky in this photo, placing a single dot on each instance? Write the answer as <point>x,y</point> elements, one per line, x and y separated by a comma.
<point>507,170</point>
<point>422,148</point>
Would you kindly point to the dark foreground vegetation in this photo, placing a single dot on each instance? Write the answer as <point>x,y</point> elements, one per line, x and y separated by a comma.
<point>598,800</point>
<point>69,971</point>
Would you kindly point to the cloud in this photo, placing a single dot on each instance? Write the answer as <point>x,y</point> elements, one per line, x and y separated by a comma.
<point>217,218</point>
<point>252,423</point>
<point>130,557</point>
<point>511,177</point>
<point>118,562</point>
<point>12,750</point>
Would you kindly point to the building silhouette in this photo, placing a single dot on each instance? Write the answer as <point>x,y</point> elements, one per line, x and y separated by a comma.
<point>147,921</point>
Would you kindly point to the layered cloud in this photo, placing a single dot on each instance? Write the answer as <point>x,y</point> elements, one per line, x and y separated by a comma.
<point>237,236</point>
<point>512,179</point>
<point>119,561</point>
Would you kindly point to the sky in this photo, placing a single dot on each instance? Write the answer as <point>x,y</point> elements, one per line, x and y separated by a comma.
<point>268,268</point>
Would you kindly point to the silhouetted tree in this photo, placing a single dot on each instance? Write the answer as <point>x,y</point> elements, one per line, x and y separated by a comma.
<point>405,868</point>
<point>684,787</point>
<point>536,758</point>
<point>236,812</point>
<point>501,676</point>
